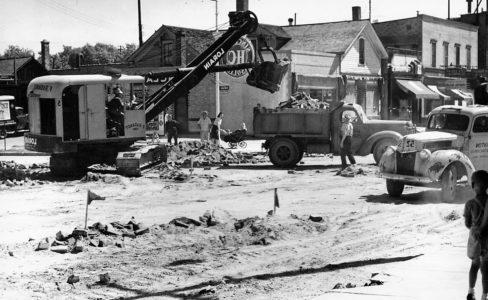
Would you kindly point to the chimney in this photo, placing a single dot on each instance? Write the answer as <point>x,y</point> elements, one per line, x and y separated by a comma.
<point>356,13</point>
<point>290,21</point>
<point>242,5</point>
<point>45,56</point>
<point>469,5</point>
<point>181,41</point>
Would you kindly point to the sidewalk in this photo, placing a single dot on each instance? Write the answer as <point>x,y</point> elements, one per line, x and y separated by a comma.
<point>439,274</point>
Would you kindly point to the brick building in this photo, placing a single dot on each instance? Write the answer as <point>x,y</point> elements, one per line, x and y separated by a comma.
<point>425,52</point>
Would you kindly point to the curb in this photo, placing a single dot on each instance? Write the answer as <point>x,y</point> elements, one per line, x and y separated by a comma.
<point>23,153</point>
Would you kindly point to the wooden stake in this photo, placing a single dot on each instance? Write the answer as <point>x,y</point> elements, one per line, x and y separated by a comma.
<point>86,211</point>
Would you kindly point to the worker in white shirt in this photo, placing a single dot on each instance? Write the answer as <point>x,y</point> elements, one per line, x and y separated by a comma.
<point>204,124</point>
<point>346,140</point>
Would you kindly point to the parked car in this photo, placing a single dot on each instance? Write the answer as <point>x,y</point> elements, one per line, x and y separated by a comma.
<point>13,119</point>
<point>454,144</point>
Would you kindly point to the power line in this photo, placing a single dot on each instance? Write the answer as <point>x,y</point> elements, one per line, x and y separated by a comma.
<point>75,14</point>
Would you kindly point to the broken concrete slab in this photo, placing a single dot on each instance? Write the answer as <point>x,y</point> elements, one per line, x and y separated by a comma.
<point>62,235</point>
<point>79,232</point>
<point>104,279</point>
<point>43,245</point>
<point>60,249</point>
<point>142,231</point>
<point>73,279</point>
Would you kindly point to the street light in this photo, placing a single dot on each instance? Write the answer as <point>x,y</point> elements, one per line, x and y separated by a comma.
<point>217,77</point>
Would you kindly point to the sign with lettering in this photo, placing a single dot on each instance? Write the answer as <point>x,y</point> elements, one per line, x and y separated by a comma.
<point>241,52</point>
<point>4,111</point>
<point>43,87</point>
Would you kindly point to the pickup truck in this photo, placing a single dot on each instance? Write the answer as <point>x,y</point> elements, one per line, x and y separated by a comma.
<point>289,133</point>
<point>454,144</point>
<point>13,120</point>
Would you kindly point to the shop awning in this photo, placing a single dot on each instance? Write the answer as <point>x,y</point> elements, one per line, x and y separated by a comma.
<point>462,94</point>
<point>316,82</point>
<point>435,89</point>
<point>418,88</point>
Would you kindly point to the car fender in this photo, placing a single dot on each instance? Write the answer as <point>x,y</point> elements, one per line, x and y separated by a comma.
<point>387,162</point>
<point>440,160</point>
<point>367,146</point>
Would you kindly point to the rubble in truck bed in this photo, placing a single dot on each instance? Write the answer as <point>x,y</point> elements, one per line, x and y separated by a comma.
<point>302,100</point>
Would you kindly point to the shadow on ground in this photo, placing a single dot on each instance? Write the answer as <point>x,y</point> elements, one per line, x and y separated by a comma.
<point>189,293</point>
<point>432,196</point>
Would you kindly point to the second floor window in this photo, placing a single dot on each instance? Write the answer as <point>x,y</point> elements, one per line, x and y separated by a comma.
<point>458,54</point>
<point>468,56</point>
<point>167,53</point>
<point>446,54</point>
<point>433,46</point>
<point>361,51</point>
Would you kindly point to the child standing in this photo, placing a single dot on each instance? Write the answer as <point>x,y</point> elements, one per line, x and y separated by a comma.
<point>476,219</point>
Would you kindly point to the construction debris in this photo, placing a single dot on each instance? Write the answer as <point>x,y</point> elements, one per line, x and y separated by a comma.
<point>73,279</point>
<point>197,154</point>
<point>104,279</point>
<point>302,100</point>
<point>350,172</point>
<point>14,174</point>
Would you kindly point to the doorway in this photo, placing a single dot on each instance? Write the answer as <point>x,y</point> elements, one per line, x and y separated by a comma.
<point>71,118</point>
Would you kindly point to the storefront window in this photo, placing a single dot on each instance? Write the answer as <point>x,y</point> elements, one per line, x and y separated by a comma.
<point>429,105</point>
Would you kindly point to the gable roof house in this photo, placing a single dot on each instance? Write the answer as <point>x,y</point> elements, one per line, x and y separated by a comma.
<point>338,60</point>
<point>15,75</point>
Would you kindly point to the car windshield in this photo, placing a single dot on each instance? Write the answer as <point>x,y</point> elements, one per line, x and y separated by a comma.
<point>445,121</point>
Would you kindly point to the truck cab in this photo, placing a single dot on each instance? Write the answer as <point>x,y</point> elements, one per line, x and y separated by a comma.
<point>289,133</point>
<point>454,144</point>
<point>12,118</point>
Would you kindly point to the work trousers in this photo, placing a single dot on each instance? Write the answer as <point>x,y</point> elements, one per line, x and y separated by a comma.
<point>346,151</point>
<point>204,135</point>
<point>172,135</point>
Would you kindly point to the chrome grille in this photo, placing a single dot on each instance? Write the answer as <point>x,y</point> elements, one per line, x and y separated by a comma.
<point>405,163</point>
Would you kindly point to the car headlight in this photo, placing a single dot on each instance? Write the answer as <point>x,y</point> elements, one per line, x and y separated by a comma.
<point>424,154</point>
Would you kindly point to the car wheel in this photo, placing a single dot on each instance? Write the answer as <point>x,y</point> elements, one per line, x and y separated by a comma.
<point>380,148</point>
<point>449,183</point>
<point>394,187</point>
<point>284,153</point>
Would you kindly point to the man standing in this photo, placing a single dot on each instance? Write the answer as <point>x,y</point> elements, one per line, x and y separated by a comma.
<point>116,112</point>
<point>480,93</point>
<point>171,129</point>
<point>204,124</point>
<point>346,140</point>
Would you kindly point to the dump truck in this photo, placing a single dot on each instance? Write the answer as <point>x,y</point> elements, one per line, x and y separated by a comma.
<point>289,133</point>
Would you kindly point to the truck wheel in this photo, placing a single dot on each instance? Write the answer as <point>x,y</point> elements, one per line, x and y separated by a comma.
<point>449,183</point>
<point>380,148</point>
<point>284,153</point>
<point>394,187</point>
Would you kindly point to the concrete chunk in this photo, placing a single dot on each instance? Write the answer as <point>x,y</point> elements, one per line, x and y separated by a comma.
<point>60,249</point>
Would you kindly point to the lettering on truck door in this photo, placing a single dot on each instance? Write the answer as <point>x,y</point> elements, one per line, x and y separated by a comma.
<point>478,143</point>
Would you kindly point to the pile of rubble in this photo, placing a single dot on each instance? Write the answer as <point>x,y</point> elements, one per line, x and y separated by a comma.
<point>97,235</point>
<point>206,154</point>
<point>351,172</point>
<point>14,174</point>
<point>302,100</point>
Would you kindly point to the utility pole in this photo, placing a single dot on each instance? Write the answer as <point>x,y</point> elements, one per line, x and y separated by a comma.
<point>140,22</point>
<point>370,10</point>
<point>217,77</point>
<point>448,9</point>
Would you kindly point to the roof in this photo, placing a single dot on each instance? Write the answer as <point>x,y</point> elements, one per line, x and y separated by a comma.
<point>51,86</point>
<point>324,37</point>
<point>197,39</point>
<point>6,97</point>
<point>7,64</point>
<point>432,19</point>
<point>275,30</point>
<point>469,110</point>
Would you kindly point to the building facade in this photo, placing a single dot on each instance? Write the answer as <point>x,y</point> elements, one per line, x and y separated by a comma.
<point>431,55</point>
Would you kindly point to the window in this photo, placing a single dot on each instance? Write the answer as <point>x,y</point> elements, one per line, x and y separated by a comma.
<point>167,53</point>
<point>480,124</point>
<point>433,46</point>
<point>446,54</point>
<point>361,51</point>
<point>351,114</point>
<point>443,121</point>
<point>457,47</point>
<point>468,56</point>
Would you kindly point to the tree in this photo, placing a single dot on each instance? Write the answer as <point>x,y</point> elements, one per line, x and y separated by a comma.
<point>14,51</point>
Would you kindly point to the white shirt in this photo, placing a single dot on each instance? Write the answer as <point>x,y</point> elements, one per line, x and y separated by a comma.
<point>204,123</point>
<point>218,122</point>
<point>346,129</point>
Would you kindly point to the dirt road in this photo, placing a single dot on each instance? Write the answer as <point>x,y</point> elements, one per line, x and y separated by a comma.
<point>285,256</point>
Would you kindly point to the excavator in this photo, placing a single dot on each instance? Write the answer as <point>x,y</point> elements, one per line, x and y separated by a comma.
<point>71,116</point>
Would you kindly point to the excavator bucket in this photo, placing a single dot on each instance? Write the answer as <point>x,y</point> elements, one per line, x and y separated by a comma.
<point>268,75</point>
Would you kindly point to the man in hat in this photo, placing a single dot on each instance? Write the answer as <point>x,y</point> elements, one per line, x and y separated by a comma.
<point>115,111</point>
<point>346,140</point>
<point>480,93</point>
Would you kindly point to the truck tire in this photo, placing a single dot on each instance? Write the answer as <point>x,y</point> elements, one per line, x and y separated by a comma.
<point>284,153</point>
<point>394,187</point>
<point>449,183</point>
<point>380,147</point>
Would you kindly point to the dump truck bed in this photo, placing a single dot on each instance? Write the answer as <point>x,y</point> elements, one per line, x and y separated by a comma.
<point>293,121</point>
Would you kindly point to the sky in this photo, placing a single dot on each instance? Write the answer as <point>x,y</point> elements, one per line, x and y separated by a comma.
<point>76,22</point>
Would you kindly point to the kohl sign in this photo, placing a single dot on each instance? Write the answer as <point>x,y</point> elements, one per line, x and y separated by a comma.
<point>242,52</point>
